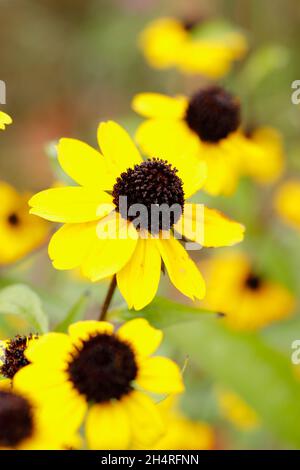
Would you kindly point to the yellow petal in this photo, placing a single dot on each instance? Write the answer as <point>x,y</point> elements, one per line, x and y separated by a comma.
<point>141,336</point>
<point>5,119</point>
<point>160,375</point>
<point>83,330</point>
<point>50,350</point>
<point>182,271</point>
<point>107,427</point>
<point>220,230</point>
<point>5,385</point>
<point>286,202</point>
<point>167,139</point>
<point>112,251</point>
<point>84,164</point>
<point>157,105</point>
<point>145,420</point>
<point>36,380</point>
<point>73,204</point>
<point>118,148</point>
<point>70,244</point>
<point>191,171</point>
<point>191,223</point>
<point>138,280</point>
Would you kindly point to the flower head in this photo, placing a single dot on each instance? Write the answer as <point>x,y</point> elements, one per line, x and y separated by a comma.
<point>169,42</point>
<point>103,234</point>
<point>5,120</point>
<point>248,299</point>
<point>22,426</point>
<point>20,232</point>
<point>205,127</point>
<point>286,202</point>
<point>105,373</point>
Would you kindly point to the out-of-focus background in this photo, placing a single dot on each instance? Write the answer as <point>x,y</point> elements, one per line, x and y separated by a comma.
<point>69,64</point>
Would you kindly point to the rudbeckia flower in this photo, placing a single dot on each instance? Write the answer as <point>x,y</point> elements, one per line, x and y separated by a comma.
<point>106,374</point>
<point>5,120</point>
<point>236,410</point>
<point>20,233</point>
<point>21,425</point>
<point>286,202</point>
<point>183,433</point>
<point>206,126</point>
<point>169,42</point>
<point>98,234</point>
<point>12,355</point>
<point>267,164</point>
<point>248,299</point>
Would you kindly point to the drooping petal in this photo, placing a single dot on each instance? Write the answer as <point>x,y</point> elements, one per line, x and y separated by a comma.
<point>182,271</point>
<point>82,330</point>
<point>112,249</point>
<point>160,375</point>
<point>69,245</point>
<point>73,204</point>
<point>141,336</point>
<point>138,280</point>
<point>84,164</point>
<point>144,416</point>
<point>152,105</point>
<point>219,230</point>
<point>107,427</point>
<point>118,148</point>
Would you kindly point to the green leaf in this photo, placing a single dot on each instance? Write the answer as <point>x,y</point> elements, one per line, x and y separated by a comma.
<point>76,313</point>
<point>19,299</point>
<point>163,312</point>
<point>215,29</point>
<point>263,63</point>
<point>244,363</point>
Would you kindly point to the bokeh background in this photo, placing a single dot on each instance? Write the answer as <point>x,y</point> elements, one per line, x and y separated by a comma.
<point>70,64</point>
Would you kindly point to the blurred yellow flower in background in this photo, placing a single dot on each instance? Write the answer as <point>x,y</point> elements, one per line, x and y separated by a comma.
<point>134,254</point>
<point>266,166</point>
<point>286,202</point>
<point>183,433</point>
<point>5,120</point>
<point>205,48</point>
<point>248,300</point>
<point>206,127</point>
<point>103,372</point>
<point>22,426</point>
<point>20,232</point>
<point>236,410</point>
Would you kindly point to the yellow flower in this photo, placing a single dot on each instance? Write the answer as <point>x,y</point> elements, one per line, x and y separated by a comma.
<point>99,235</point>
<point>183,433</point>
<point>22,426</point>
<point>235,410</point>
<point>20,233</point>
<point>5,120</point>
<point>168,42</point>
<point>248,299</point>
<point>286,202</point>
<point>266,166</point>
<point>103,373</point>
<point>12,355</point>
<point>206,127</point>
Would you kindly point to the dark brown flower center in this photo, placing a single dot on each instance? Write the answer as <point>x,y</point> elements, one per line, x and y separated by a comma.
<point>13,219</point>
<point>13,357</point>
<point>16,419</point>
<point>154,196</point>
<point>213,114</point>
<point>103,369</point>
<point>253,281</point>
